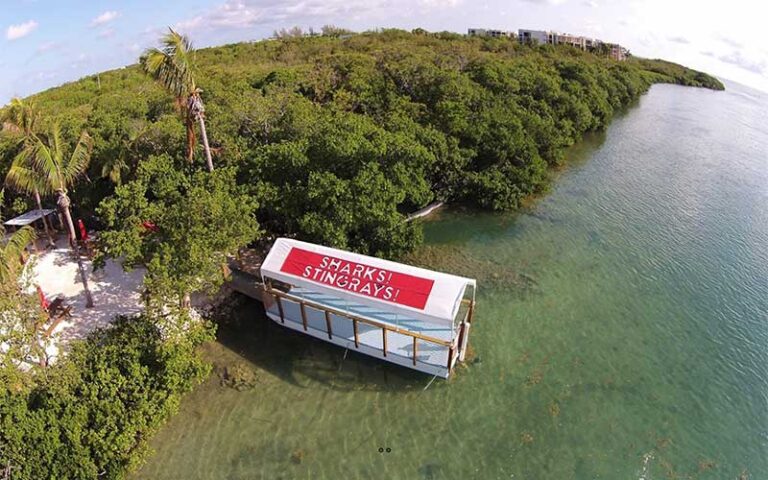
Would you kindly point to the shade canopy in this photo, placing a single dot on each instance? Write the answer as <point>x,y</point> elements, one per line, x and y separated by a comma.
<point>414,292</point>
<point>29,217</point>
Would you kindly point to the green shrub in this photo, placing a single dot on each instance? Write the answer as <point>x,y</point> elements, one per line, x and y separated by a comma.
<point>91,414</point>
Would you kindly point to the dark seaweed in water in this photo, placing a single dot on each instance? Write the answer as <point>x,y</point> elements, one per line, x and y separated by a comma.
<point>238,376</point>
<point>429,471</point>
<point>489,274</point>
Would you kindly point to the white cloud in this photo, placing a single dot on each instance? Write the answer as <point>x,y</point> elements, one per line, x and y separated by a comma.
<point>679,39</point>
<point>547,2</point>
<point>758,66</point>
<point>189,24</point>
<point>105,17</point>
<point>730,41</point>
<point>48,46</point>
<point>106,33</point>
<point>241,14</point>
<point>442,3</point>
<point>21,30</point>
<point>45,75</point>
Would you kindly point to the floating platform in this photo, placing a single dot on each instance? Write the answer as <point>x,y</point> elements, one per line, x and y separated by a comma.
<point>398,313</point>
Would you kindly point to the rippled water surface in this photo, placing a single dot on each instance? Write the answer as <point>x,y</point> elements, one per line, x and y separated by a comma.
<point>621,332</point>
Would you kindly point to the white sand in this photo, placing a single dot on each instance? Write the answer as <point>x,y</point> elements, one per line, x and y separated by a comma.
<point>114,291</point>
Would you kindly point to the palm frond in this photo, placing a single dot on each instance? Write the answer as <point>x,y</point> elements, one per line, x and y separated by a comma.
<point>114,168</point>
<point>24,179</point>
<point>20,116</point>
<point>56,144</point>
<point>44,162</point>
<point>78,162</point>
<point>172,64</point>
<point>11,252</point>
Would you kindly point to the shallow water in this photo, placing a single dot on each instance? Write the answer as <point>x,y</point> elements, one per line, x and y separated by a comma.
<point>621,332</point>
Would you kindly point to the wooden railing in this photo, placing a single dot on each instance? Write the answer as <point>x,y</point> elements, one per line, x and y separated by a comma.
<point>303,303</point>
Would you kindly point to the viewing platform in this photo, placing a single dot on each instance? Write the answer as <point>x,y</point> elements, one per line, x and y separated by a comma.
<point>409,316</point>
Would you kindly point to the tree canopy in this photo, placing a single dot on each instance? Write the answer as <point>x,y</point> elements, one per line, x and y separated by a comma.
<point>339,136</point>
<point>179,225</point>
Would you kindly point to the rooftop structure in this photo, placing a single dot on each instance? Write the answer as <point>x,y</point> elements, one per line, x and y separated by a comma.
<point>406,315</point>
<point>617,52</point>
<point>533,36</point>
<point>482,32</point>
<point>541,37</point>
<point>579,42</point>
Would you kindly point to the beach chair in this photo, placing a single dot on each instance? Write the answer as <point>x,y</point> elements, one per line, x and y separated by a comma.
<point>57,312</point>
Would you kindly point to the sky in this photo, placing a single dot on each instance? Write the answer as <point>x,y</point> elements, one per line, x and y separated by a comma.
<point>45,43</point>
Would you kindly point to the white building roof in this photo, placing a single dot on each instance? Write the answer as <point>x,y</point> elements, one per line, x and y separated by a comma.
<point>29,217</point>
<point>414,292</point>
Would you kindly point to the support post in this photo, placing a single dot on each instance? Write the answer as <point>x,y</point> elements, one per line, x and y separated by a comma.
<point>303,315</point>
<point>415,340</point>
<point>354,327</point>
<point>461,337</point>
<point>280,308</point>
<point>471,312</point>
<point>384,340</point>
<point>450,357</point>
<point>328,324</point>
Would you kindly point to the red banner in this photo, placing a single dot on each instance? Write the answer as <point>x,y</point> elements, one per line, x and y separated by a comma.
<point>359,278</point>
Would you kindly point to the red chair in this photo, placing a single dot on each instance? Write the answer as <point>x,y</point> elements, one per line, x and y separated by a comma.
<point>44,304</point>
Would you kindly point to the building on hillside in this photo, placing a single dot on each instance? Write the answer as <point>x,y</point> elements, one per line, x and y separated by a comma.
<point>533,36</point>
<point>568,39</point>
<point>616,52</point>
<point>541,37</point>
<point>482,32</point>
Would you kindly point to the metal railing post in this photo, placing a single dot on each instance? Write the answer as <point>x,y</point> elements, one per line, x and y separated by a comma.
<point>328,324</point>
<point>303,315</point>
<point>384,340</point>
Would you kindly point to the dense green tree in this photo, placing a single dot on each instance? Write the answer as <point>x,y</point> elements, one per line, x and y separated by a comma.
<point>91,414</point>
<point>179,225</point>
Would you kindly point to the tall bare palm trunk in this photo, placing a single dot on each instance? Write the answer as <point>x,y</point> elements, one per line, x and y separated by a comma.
<point>207,148</point>
<point>64,203</point>
<point>196,111</point>
<point>45,220</point>
<point>191,141</point>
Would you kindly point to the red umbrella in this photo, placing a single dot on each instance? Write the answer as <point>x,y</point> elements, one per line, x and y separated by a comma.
<point>83,232</point>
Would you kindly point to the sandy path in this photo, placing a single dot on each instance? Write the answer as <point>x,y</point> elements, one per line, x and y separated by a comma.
<point>115,292</point>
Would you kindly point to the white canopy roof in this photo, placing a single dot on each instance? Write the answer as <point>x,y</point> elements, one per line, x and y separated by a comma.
<point>29,217</point>
<point>414,292</point>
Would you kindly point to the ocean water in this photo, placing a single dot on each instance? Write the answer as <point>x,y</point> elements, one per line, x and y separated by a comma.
<point>621,332</point>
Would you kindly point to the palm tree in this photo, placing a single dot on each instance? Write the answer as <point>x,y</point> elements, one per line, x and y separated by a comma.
<point>172,66</point>
<point>116,167</point>
<point>20,120</point>
<point>58,173</point>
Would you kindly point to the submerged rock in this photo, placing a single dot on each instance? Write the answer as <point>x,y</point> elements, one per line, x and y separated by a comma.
<point>239,376</point>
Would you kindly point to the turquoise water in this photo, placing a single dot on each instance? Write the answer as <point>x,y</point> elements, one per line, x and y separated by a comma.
<point>621,332</point>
